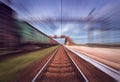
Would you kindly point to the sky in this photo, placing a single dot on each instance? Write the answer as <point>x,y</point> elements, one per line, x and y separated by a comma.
<point>105,32</point>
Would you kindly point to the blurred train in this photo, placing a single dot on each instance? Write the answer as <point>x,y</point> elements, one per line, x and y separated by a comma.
<point>28,36</point>
<point>16,34</point>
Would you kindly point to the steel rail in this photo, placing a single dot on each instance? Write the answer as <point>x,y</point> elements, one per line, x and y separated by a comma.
<point>33,80</point>
<point>85,78</point>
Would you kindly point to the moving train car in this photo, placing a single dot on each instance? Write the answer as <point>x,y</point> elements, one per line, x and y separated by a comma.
<point>7,27</point>
<point>30,36</point>
<point>16,34</point>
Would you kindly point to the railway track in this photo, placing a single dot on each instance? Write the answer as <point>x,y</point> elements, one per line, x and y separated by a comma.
<point>60,68</point>
<point>66,66</point>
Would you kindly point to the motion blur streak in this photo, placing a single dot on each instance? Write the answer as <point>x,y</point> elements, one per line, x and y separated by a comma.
<point>30,30</point>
